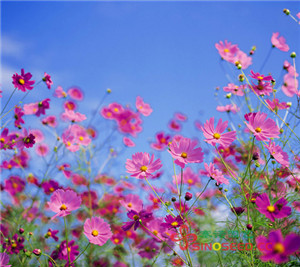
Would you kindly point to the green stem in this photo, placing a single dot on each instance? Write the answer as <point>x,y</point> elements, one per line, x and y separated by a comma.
<point>8,100</point>
<point>81,253</point>
<point>67,243</point>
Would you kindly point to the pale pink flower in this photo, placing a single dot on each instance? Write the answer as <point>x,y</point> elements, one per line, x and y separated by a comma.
<point>184,151</point>
<point>290,85</point>
<point>275,105</point>
<point>42,149</point>
<point>279,42</point>
<point>179,116</point>
<point>39,136</point>
<point>227,51</point>
<point>75,136</point>
<point>97,231</point>
<point>142,166</point>
<point>73,116</point>
<point>243,59</point>
<point>142,107</point>
<point>132,202</point>
<point>229,108</point>
<point>278,154</point>
<point>216,136</point>
<point>214,174</point>
<point>75,93</point>
<point>234,89</point>
<point>128,142</point>
<point>59,92</point>
<point>189,177</point>
<point>63,202</point>
<point>50,121</point>
<point>262,128</point>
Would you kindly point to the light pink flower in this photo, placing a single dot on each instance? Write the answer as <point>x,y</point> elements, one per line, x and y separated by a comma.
<point>234,89</point>
<point>290,85</point>
<point>63,202</point>
<point>128,142</point>
<point>227,51</point>
<point>142,166</point>
<point>229,108</point>
<point>189,177</point>
<point>42,149</point>
<point>184,151</point>
<point>59,92</point>
<point>215,136</point>
<point>243,59</point>
<point>260,77</point>
<point>214,174</point>
<point>275,105</point>
<point>73,116</point>
<point>97,231</point>
<point>179,116</point>
<point>50,120</point>
<point>39,136</point>
<point>162,141</point>
<point>47,80</point>
<point>75,136</point>
<point>278,154</point>
<point>279,42</point>
<point>75,93</point>
<point>142,107</point>
<point>261,127</point>
<point>132,202</point>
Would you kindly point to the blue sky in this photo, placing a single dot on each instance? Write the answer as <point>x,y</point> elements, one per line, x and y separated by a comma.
<point>162,51</point>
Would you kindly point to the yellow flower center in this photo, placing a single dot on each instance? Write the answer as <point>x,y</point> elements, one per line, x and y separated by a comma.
<point>2,140</point>
<point>63,207</point>
<point>190,181</point>
<point>143,168</point>
<point>278,247</point>
<point>69,249</point>
<point>174,223</point>
<point>226,50</point>
<point>49,233</point>
<point>116,240</point>
<point>9,166</point>
<point>135,217</point>
<point>64,94</point>
<point>183,155</point>
<point>155,232</point>
<point>163,140</point>
<point>258,130</point>
<point>51,189</point>
<point>21,81</point>
<point>216,135</point>
<point>108,114</point>
<point>271,208</point>
<point>95,233</point>
<point>14,185</point>
<point>129,205</point>
<point>81,138</point>
<point>14,245</point>
<point>116,110</point>
<point>68,143</point>
<point>259,77</point>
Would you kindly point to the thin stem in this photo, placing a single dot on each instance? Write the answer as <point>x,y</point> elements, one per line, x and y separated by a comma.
<point>53,261</point>
<point>67,243</point>
<point>266,59</point>
<point>8,100</point>
<point>80,254</point>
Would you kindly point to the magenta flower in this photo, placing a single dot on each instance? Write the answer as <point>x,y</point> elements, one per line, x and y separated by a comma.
<point>47,80</point>
<point>277,211</point>
<point>276,105</point>
<point>189,177</point>
<point>72,249</point>
<point>262,128</point>
<point>276,248</point>
<point>214,174</point>
<point>75,93</point>
<point>184,151</point>
<point>50,186</point>
<point>22,82</point>
<point>14,185</point>
<point>97,231</point>
<point>162,141</point>
<point>50,121</point>
<point>142,107</point>
<point>279,42</point>
<point>174,125</point>
<point>128,142</point>
<point>142,166</point>
<point>260,77</point>
<point>262,88</point>
<point>278,154</point>
<point>52,233</point>
<point>63,202</point>
<point>14,245</point>
<point>156,229</point>
<point>18,117</point>
<point>172,223</point>
<point>216,136</point>
<point>4,259</point>
<point>148,249</point>
<point>142,215</point>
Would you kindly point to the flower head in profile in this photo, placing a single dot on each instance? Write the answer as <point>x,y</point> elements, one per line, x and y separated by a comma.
<point>278,154</point>
<point>261,127</point>
<point>276,248</point>
<point>75,93</point>
<point>63,202</point>
<point>128,142</point>
<point>97,231</point>
<point>215,135</point>
<point>215,174</point>
<point>227,51</point>
<point>142,166</point>
<point>260,77</point>
<point>279,42</point>
<point>22,82</point>
<point>183,151</point>
<point>235,89</point>
<point>142,107</point>
<point>277,211</point>
<point>47,80</point>
<point>4,259</point>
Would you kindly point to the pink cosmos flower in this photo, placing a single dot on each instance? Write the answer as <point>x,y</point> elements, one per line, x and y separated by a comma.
<point>290,85</point>
<point>50,120</point>
<point>37,108</point>
<point>227,51</point>
<point>18,117</point>
<point>278,210</point>
<point>214,174</point>
<point>262,88</point>
<point>179,116</point>
<point>276,248</point>
<point>4,259</point>
<point>132,202</point>
<point>47,80</point>
<point>184,151</point>
<point>216,136</point>
<point>298,15</point>
<point>39,136</point>
<point>97,231</point>
<point>278,154</point>
<point>148,249</point>
<point>142,166</point>
<point>229,108</point>
<point>75,93</point>
<point>262,128</point>
<point>162,141</point>
<point>276,105</point>
<point>73,116</point>
<point>14,185</point>
<point>22,82</point>
<point>42,149</point>
<point>63,202</point>
<point>156,229</point>
<point>174,125</point>
<point>279,42</point>
<point>234,89</point>
<point>75,136</point>
<point>189,177</point>
<point>59,92</point>
<point>260,77</point>
<point>142,107</point>
<point>128,142</point>
<point>70,105</point>
<point>243,59</point>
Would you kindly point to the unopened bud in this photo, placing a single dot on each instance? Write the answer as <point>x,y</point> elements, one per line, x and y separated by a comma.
<point>293,55</point>
<point>241,77</point>
<point>188,196</point>
<point>286,11</point>
<point>37,252</point>
<point>173,199</point>
<point>289,104</point>
<point>249,226</point>
<point>108,90</point>
<point>21,230</point>
<point>228,95</point>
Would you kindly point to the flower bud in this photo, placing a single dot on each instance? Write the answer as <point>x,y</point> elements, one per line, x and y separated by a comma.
<point>255,156</point>
<point>21,230</point>
<point>228,95</point>
<point>293,55</point>
<point>173,199</point>
<point>241,77</point>
<point>37,252</point>
<point>249,226</point>
<point>108,90</point>
<point>286,11</point>
<point>188,196</point>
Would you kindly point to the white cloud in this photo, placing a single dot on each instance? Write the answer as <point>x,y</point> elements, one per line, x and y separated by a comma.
<point>11,47</point>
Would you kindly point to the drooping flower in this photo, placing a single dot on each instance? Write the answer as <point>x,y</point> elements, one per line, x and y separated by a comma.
<point>50,121</point>
<point>142,166</point>
<point>216,136</point>
<point>183,151</point>
<point>63,202</point>
<point>227,51</point>
<point>276,248</point>
<point>97,231</point>
<point>235,89</point>
<point>262,128</point>
<point>22,82</point>
<point>18,117</point>
<point>229,108</point>
<point>59,92</point>
<point>37,108</point>
<point>279,42</point>
<point>180,116</point>
<point>4,259</point>
<point>277,211</point>
<point>75,93</point>
<point>278,154</point>
<point>215,174</point>
<point>47,80</point>
<point>174,125</point>
<point>237,210</point>
<point>142,107</point>
<point>142,215</point>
